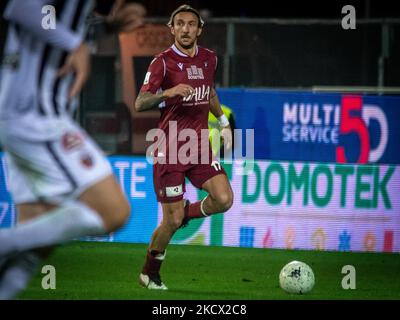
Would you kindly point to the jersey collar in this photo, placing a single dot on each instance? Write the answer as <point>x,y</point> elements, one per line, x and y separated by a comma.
<point>180,53</point>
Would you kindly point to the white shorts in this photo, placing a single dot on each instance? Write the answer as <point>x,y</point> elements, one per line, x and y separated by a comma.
<point>53,170</point>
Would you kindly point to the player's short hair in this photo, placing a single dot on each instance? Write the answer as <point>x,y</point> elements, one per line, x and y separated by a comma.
<point>185,8</point>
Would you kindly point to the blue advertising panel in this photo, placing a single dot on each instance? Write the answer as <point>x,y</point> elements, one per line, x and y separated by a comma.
<point>304,126</point>
<point>7,209</point>
<point>135,175</point>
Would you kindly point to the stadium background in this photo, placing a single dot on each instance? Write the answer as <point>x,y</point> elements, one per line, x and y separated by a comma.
<point>273,64</point>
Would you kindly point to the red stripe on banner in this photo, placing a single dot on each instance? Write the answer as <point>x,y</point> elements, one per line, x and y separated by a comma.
<point>388,241</point>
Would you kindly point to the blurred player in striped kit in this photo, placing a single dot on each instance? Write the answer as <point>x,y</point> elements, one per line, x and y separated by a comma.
<point>60,180</point>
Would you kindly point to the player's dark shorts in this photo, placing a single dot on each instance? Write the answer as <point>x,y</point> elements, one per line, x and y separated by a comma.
<point>169,180</point>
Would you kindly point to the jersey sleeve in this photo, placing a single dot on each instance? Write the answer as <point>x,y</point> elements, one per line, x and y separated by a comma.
<point>215,58</point>
<point>154,76</point>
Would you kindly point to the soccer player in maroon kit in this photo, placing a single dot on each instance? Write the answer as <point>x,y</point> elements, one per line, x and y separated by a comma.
<point>180,81</point>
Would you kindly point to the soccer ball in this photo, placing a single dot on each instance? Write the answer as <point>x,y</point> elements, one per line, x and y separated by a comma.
<point>296,277</point>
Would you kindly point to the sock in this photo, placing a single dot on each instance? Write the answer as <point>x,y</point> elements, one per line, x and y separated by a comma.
<point>196,210</point>
<point>72,220</point>
<point>153,262</point>
<point>16,274</point>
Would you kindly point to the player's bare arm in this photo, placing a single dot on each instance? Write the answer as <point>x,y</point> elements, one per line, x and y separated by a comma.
<point>78,61</point>
<point>147,100</point>
<point>125,17</point>
<point>216,110</point>
<point>215,105</point>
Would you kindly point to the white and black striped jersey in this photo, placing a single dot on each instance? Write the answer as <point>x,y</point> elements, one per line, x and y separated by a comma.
<point>32,56</point>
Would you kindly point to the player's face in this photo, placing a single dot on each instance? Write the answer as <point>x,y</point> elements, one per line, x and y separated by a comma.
<point>186,29</point>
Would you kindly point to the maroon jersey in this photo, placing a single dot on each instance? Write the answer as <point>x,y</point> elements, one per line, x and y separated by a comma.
<point>171,68</point>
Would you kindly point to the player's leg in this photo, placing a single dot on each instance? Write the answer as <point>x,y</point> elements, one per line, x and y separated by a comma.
<point>105,198</point>
<point>172,218</point>
<point>17,271</point>
<point>220,195</point>
<point>169,188</point>
<point>100,209</point>
<point>43,225</point>
<point>214,180</point>
<point>108,200</point>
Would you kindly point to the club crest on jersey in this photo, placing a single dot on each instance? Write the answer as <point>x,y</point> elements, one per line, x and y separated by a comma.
<point>195,73</point>
<point>71,140</point>
<point>87,160</point>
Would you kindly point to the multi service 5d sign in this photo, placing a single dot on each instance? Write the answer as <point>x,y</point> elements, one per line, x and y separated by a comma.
<point>299,126</point>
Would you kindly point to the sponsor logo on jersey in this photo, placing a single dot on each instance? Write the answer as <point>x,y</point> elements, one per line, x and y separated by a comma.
<point>200,94</point>
<point>147,78</point>
<point>195,73</point>
<point>173,191</point>
<point>180,65</point>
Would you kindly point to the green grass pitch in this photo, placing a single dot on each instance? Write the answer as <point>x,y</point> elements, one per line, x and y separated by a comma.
<point>93,270</point>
